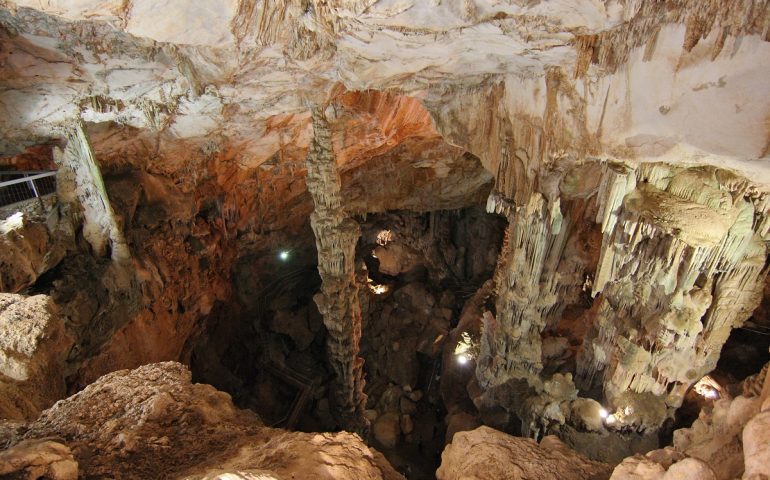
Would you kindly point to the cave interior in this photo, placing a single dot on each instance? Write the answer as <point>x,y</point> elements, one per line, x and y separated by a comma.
<point>377,240</point>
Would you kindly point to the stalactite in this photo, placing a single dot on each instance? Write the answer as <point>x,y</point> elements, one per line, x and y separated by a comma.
<point>682,263</point>
<point>526,290</point>
<point>336,237</point>
<point>100,227</point>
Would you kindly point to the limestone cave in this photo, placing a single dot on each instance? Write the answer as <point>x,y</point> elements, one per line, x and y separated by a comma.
<point>385,239</point>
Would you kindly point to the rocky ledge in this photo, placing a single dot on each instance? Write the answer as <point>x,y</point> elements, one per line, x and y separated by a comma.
<point>153,422</point>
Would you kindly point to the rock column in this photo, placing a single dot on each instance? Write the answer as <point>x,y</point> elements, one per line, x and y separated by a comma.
<point>527,284</point>
<point>336,237</point>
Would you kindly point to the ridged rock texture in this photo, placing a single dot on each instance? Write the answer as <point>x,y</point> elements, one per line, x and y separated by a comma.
<point>152,422</point>
<point>682,263</point>
<point>336,236</point>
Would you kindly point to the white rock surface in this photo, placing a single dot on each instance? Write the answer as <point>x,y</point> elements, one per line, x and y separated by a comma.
<point>485,453</point>
<point>756,446</point>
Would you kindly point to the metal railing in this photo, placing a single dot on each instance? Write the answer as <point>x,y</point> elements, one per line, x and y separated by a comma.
<point>18,186</point>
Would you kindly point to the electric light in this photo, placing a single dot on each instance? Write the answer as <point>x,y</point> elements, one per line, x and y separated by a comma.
<point>708,388</point>
<point>610,419</point>
<point>603,413</point>
<point>462,359</point>
<point>378,289</point>
<point>284,255</point>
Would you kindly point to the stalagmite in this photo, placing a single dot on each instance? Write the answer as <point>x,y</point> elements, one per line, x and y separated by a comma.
<point>336,235</point>
<point>682,263</point>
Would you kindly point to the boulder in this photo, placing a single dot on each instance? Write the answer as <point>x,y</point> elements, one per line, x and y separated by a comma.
<point>152,422</point>
<point>756,447</point>
<point>460,422</point>
<point>387,429</point>
<point>33,459</point>
<point>33,349</point>
<point>485,453</point>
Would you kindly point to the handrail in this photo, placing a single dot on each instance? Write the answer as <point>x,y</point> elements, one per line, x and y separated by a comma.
<point>22,172</point>
<point>8,183</point>
<point>27,186</point>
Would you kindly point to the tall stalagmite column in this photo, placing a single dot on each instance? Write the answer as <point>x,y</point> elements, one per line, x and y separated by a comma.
<point>336,237</point>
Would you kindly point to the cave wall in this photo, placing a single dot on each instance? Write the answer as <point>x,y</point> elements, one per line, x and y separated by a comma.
<point>624,142</point>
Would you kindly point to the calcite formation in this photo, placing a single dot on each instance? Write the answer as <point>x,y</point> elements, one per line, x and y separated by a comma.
<point>80,180</point>
<point>336,236</point>
<point>682,263</point>
<point>625,142</point>
<point>526,291</point>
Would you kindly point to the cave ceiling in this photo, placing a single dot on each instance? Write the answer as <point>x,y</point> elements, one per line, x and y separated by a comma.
<point>166,86</point>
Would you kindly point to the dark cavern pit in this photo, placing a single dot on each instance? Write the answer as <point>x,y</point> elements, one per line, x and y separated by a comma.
<point>379,239</point>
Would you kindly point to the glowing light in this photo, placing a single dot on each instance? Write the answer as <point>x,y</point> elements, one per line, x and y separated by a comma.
<point>284,255</point>
<point>378,289</point>
<point>466,349</point>
<point>708,388</point>
<point>628,411</point>
<point>603,413</point>
<point>610,419</point>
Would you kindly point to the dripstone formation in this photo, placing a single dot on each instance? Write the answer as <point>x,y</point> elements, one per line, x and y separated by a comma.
<point>478,236</point>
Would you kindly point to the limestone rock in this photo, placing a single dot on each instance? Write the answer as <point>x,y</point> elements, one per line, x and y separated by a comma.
<point>689,469</point>
<point>33,348</point>
<point>396,259</point>
<point>715,437</point>
<point>31,243</point>
<point>34,459</point>
<point>153,423</point>
<point>336,235</point>
<point>406,424</point>
<point>756,446</point>
<point>485,453</point>
<point>460,422</point>
<point>295,325</point>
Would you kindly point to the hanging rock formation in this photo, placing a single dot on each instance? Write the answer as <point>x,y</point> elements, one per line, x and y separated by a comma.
<point>336,236</point>
<point>682,264</point>
<point>80,180</point>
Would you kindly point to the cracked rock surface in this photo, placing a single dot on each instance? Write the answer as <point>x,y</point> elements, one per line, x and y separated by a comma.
<point>152,422</point>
